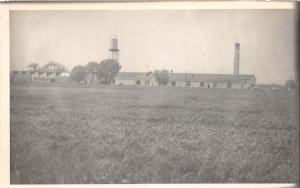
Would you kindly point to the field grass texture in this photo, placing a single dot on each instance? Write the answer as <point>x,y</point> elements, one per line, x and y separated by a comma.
<point>151,135</point>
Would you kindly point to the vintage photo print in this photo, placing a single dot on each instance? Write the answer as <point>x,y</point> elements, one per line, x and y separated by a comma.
<point>153,96</point>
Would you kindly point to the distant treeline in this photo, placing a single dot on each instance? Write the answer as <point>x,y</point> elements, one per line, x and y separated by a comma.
<point>289,84</point>
<point>92,72</point>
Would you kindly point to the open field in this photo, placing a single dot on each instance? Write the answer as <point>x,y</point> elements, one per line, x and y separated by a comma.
<point>151,135</point>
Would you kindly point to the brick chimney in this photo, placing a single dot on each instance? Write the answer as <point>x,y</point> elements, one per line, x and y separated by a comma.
<point>236,59</point>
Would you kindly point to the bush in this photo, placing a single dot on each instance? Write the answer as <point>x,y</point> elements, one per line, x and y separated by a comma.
<point>107,70</point>
<point>78,73</point>
<point>162,77</point>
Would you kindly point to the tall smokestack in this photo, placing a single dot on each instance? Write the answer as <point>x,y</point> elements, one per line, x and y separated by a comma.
<point>236,59</point>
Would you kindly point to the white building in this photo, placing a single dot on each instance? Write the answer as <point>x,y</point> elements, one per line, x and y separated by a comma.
<point>188,80</point>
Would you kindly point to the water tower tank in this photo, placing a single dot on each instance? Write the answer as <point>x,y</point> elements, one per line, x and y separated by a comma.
<point>114,44</point>
<point>114,50</point>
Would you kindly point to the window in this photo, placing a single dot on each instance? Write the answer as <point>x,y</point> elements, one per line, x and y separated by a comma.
<point>201,84</point>
<point>147,82</point>
<point>229,85</point>
<point>188,83</point>
<point>215,84</point>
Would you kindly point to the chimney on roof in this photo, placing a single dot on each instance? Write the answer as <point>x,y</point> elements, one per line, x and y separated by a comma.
<point>236,59</point>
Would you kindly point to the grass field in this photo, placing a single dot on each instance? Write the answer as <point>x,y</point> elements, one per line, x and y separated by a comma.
<point>151,135</point>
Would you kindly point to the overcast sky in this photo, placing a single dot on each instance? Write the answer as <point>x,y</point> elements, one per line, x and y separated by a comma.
<point>198,41</point>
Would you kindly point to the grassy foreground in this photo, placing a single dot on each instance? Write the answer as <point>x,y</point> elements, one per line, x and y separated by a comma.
<point>151,135</point>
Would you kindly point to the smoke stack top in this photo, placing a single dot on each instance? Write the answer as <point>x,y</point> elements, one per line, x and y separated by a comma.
<point>236,65</point>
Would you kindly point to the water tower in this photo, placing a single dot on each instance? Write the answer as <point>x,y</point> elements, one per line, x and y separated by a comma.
<point>114,50</point>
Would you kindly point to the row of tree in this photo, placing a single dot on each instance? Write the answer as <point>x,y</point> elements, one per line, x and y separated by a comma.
<point>49,67</point>
<point>105,71</point>
<point>290,84</point>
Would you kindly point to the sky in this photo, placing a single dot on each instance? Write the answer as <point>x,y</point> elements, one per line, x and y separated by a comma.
<point>196,41</point>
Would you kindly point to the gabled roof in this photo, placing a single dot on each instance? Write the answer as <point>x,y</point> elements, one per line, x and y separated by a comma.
<point>129,75</point>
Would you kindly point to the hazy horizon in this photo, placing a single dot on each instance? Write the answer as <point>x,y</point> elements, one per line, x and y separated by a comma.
<point>196,41</point>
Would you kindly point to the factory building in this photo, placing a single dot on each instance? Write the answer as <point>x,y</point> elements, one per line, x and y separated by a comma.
<point>188,80</point>
<point>230,81</point>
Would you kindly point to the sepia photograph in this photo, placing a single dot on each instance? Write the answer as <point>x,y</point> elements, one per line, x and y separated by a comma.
<point>169,96</point>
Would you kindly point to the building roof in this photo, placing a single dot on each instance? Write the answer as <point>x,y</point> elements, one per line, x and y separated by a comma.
<point>196,77</point>
<point>130,75</point>
<point>28,72</point>
<point>193,77</point>
<point>66,74</point>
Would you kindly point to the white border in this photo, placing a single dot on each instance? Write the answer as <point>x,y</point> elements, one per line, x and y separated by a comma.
<point>5,69</point>
<point>150,5</point>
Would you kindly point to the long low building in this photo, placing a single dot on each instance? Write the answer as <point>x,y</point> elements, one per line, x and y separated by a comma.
<point>235,80</point>
<point>188,80</point>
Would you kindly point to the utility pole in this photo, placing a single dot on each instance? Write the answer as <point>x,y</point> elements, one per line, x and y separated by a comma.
<point>185,78</point>
<point>185,75</point>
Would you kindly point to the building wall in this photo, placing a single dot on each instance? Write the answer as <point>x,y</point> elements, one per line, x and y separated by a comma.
<point>237,85</point>
<point>35,76</point>
<point>221,85</point>
<point>249,84</point>
<point>208,84</point>
<point>43,76</point>
<point>65,74</point>
<point>180,84</point>
<point>242,84</point>
<point>145,82</point>
<point>195,84</point>
<point>170,83</point>
<point>153,83</point>
<point>125,82</point>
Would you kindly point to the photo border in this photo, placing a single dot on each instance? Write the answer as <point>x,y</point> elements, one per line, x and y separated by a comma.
<point>5,70</point>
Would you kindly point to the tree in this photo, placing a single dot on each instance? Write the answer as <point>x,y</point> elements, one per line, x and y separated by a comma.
<point>78,73</point>
<point>162,77</point>
<point>290,84</point>
<point>107,70</point>
<point>53,67</point>
<point>33,66</point>
<point>92,66</point>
